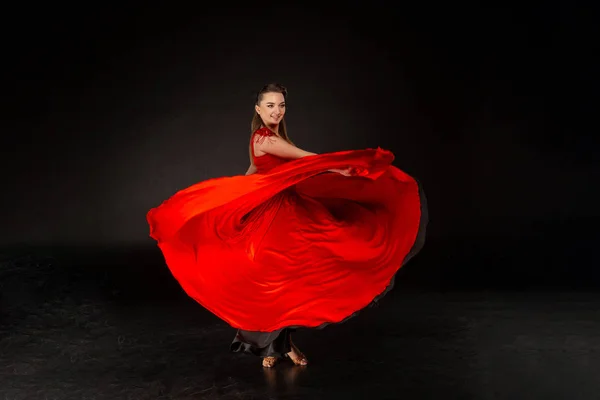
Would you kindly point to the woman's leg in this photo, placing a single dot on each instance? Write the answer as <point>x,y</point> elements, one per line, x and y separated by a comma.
<point>268,345</point>
<point>295,354</point>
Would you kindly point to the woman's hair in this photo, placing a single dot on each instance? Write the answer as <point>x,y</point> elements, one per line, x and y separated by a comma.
<point>257,122</point>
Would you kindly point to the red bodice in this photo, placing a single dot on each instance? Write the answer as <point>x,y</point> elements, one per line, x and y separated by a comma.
<point>265,162</point>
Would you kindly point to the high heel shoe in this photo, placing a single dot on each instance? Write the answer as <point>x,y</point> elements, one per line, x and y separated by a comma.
<point>300,359</point>
<point>269,362</point>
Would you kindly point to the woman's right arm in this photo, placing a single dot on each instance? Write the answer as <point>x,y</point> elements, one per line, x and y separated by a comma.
<point>279,147</point>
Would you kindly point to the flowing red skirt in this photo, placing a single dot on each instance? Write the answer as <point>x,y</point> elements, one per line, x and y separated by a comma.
<point>296,246</point>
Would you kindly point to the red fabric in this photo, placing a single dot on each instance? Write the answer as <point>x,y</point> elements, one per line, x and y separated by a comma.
<point>290,245</point>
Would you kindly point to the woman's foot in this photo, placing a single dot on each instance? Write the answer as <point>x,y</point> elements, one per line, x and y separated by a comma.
<point>296,356</point>
<point>269,362</point>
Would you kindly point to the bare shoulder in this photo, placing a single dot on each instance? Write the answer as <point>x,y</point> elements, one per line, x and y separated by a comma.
<point>260,138</point>
<point>262,133</point>
<point>269,142</point>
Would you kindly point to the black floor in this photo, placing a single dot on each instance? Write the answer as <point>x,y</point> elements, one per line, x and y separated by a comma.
<point>115,325</point>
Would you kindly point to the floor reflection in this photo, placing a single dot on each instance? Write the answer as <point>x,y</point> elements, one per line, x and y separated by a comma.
<point>149,341</point>
<point>284,377</point>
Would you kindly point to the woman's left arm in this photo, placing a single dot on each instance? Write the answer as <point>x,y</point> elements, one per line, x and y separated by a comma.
<point>251,169</point>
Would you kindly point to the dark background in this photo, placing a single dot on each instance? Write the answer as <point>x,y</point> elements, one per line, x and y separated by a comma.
<point>109,110</point>
<point>112,110</point>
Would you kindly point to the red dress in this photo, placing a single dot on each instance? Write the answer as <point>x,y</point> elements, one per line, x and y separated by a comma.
<point>292,245</point>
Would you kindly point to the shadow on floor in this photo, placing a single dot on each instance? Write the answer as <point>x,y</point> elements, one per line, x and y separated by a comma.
<point>466,321</point>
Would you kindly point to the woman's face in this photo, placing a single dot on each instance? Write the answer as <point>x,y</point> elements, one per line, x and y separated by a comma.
<point>271,108</point>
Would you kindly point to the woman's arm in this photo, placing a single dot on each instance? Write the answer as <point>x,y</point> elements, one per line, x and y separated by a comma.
<point>345,171</point>
<point>251,169</point>
<point>279,147</point>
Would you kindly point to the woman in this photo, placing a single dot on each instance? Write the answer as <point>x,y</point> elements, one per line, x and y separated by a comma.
<point>301,240</point>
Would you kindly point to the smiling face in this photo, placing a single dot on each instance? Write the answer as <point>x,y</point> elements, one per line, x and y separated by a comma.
<point>271,108</point>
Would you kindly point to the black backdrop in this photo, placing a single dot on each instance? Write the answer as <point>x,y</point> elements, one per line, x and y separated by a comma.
<point>110,111</point>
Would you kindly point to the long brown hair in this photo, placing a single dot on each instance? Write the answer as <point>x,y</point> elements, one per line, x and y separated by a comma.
<point>257,121</point>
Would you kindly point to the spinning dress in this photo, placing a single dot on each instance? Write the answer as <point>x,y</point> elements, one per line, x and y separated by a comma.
<point>292,245</point>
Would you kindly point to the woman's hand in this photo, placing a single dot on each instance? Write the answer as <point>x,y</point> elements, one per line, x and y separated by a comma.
<point>345,171</point>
